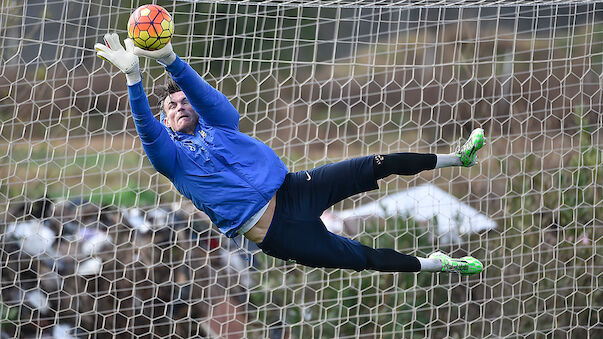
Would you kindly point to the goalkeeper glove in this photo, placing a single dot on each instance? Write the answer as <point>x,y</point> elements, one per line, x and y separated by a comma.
<point>164,56</point>
<point>124,59</point>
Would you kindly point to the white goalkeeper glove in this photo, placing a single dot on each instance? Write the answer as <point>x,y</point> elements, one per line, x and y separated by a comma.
<point>124,59</point>
<point>164,56</point>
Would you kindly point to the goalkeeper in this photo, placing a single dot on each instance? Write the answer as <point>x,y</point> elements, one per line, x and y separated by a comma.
<point>245,188</point>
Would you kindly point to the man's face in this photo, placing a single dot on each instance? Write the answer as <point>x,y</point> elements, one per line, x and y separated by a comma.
<point>179,114</point>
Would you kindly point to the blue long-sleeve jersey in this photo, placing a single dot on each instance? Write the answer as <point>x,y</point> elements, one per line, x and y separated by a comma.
<point>225,173</point>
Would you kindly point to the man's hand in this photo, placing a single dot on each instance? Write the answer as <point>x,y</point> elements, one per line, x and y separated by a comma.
<point>124,59</point>
<point>164,56</point>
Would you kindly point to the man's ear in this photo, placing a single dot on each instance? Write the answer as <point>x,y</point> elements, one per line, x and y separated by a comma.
<point>165,120</point>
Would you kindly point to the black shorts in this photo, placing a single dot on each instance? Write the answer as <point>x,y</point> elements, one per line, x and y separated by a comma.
<point>297,232</point>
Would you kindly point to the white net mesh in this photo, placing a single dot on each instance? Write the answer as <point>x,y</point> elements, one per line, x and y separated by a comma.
<point>95,243</point>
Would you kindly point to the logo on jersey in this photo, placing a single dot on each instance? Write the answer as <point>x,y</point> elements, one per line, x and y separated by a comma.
<point>190,145</point>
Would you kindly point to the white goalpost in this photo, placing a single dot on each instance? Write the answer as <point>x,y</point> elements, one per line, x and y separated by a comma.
<point>95,243</point>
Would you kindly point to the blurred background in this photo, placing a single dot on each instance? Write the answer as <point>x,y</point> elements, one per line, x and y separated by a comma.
<point>94,242</point>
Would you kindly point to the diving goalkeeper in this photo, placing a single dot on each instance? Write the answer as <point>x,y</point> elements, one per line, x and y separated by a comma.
<point>245,188</point>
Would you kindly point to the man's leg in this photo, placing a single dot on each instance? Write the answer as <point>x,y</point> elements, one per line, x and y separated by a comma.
<point>309,243</point>
<point>327,185</point>
<point>403,164</point>
<point>298,235</point>
<point>414,163</point>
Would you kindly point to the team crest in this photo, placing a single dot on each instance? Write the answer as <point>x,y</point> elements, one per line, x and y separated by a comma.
<point>189,144</point>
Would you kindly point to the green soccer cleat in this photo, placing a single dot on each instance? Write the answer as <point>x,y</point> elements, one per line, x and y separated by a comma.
<point>464,265</point>
<point>468,153</point>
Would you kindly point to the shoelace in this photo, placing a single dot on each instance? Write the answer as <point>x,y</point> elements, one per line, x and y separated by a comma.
<point>457,267</point>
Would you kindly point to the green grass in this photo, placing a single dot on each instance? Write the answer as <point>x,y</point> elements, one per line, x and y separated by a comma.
<point>107,177</point>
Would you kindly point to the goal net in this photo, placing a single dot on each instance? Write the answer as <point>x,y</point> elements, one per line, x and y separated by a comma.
<point>95,243</point>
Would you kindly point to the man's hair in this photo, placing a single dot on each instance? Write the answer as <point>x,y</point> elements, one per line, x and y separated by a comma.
<point>169,88</point>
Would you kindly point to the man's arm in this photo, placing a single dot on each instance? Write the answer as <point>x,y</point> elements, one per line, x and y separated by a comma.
<point>213,106</point>
<point>158,145</point>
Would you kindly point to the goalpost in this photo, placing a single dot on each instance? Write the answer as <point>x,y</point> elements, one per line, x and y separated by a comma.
<point>95,243</point>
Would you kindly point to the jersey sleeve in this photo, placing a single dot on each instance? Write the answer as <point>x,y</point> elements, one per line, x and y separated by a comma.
<point>213,106</point>
<point>156,141</point>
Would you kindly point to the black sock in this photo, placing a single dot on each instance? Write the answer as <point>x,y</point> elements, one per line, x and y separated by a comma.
<point>388,260</point>
<point>402,163</point>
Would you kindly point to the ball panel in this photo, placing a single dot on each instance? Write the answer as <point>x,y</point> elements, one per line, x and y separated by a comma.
<point>156,44</point>
<point>165,25</point>
<point>154,14</point>
<point>131,24</point>
<point>144,23</point>
<point>165,16</point>
<point>152,32</point>
<point>158,28</point>
<point>144,35</point>
<point>139,42</point>
<point>166,33</point>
